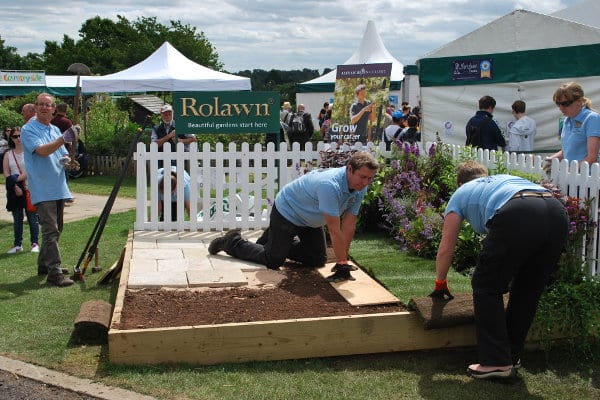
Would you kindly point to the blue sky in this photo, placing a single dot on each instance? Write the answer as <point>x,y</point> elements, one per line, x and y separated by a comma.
<point>278,34</point>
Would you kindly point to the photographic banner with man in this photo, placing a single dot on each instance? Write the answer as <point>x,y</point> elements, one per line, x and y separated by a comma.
<point>360,98</point>
<point>226,112</point>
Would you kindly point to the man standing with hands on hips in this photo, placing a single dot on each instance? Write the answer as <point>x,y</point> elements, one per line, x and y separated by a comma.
<point>165,133</point>
<point>46,157</point>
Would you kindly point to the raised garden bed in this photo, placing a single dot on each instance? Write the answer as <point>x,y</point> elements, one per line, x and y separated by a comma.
<point>301,316</point>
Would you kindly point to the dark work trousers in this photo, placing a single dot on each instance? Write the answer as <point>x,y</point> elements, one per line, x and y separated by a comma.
<point>51,220</point>
<point>285,240</point>
<point>523,245</point>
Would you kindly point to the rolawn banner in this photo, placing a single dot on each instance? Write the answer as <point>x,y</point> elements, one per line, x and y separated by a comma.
<point>360,98</point>
<point>226,112</point>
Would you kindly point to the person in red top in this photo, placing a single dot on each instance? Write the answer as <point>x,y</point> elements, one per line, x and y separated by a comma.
<point>63,123</point>
<point>60,119</point>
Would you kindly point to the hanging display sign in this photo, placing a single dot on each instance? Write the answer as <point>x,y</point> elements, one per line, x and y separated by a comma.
<point>360,97</point>
<point>226,112</point>
<point>23,78</point>
<point>472,70</point>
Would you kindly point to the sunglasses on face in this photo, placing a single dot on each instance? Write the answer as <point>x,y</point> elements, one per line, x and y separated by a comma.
<point>15,136</point>
<point>565,103</point>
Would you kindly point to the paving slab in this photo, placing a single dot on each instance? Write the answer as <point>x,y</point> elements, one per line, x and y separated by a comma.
<point>157,280</point>
<point>157,254</point>
<point>222,277</point>
<point>143,265</point>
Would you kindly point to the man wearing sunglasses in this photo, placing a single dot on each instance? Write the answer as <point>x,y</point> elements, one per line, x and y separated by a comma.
<point>580,135</point>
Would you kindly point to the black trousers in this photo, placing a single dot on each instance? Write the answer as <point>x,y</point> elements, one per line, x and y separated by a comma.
<point>521,250</point>
<point>284,240</point>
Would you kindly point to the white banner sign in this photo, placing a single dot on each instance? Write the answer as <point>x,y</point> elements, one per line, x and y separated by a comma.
<point>22,78</point>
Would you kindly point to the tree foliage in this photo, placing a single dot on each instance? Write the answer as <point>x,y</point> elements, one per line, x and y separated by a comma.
<point>276,80</point>
<point>105,46</point>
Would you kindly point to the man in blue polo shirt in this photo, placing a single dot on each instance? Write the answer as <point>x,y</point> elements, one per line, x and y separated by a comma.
<point>324,197</point>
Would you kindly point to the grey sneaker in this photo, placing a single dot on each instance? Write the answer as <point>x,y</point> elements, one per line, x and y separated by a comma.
<point>59,280</point>
<point>220,243</point>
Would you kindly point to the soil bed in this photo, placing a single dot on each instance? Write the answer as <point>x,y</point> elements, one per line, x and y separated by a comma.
<point>301,293</point>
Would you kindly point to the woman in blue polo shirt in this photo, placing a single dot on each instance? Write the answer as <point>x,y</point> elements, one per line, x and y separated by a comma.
<point>580,135</point>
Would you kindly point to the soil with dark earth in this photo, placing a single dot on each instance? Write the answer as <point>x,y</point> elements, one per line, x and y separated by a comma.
<point>301,293</point>
<point>15,387</point>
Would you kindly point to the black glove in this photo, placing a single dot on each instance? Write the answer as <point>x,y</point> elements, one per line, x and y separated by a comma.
<point>342,273</point>
<point>441,291</point>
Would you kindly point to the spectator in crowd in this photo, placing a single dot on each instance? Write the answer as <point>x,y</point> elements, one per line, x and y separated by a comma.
<point>286,110</point>
<point>522,133</point>
<point>16,184</point>
<point>60,119</point>
<point>411,133</point>
<point>323,113</point>
<point>325,127</point>
<point>511,259</point>
<point>28,112</point>
<point>580,134</point>
<point>45,157</point>
<point>406,110</point>
<point>165,133</point>
<point>416,111</point>
<point>325,197</point>
<point>484,126</point>
<point>362,112</point>
<point>63,123</point>
<point>300,126</point>
<point>174,202</point>
<point>391,133</point>
<point>4,143</point>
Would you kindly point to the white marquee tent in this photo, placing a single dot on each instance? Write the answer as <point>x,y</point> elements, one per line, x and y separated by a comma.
<point>586,12</point>
<point>371,50</point>
<point>532,54</point>
<point>165,70</point>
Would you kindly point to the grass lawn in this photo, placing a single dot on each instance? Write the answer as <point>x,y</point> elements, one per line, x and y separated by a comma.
<point>36,322</point>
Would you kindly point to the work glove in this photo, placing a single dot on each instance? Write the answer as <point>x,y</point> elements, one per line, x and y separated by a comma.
<point>71,134</point>
<point>342,273</point>
<point>441,291</point>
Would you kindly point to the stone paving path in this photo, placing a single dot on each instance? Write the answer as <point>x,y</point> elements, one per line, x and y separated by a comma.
<point>181,260</point>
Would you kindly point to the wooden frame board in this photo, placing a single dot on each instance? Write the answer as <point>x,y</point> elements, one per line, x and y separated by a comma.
<point>274,340</point>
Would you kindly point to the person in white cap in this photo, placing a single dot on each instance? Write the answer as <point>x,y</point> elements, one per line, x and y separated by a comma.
<point>165,133</point>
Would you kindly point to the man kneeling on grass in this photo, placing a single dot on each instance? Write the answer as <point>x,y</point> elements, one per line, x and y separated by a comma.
<point>526,229</point>
<point>323,197</point>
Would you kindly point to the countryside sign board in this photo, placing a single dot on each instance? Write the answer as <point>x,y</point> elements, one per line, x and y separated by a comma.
<point>226,112</point>
<point>24,78</point>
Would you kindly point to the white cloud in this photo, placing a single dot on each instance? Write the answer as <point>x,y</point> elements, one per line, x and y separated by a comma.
<point>280,34</point>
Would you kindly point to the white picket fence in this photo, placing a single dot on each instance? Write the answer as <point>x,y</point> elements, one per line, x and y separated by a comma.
<point>230,188</point>
<point>234,187</point>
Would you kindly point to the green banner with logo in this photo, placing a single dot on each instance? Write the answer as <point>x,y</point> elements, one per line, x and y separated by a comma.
<point>226,112</point>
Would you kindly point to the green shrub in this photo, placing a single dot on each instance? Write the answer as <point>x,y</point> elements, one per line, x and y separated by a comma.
<point>9,118</point>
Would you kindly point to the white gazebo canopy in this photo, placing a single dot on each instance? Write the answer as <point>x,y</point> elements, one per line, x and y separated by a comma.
<point>165,70</point>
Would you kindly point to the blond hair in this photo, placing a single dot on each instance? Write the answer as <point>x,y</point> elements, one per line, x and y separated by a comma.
<point>469,170</point>
<point>572,91</point>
